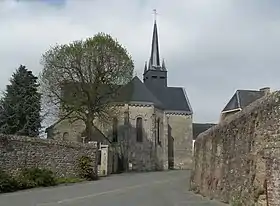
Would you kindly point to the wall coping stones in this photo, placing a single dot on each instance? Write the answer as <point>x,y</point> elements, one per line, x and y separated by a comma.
<point>7,138</point>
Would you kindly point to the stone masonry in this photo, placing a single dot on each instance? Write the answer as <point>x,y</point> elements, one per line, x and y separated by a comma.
<point>148,155</point>
<point>73,130</point>
<point>229,164</point>
<point>18,152</point>
<point>181,126</point>
<point>272,156</point>
<point>152,153</point>
<point>144,156</point>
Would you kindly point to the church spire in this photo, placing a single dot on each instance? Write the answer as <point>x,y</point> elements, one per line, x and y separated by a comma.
<point>155,74</point>
<point>155,60</point>
<point>163,65</point>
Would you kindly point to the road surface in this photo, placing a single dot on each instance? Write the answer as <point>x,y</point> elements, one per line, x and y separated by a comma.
<point>143,189</point>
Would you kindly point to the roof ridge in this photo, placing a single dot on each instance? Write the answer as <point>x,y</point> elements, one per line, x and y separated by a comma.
<point>238,98</point>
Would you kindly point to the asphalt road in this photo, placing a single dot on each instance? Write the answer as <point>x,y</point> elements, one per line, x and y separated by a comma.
<point>142,189</point>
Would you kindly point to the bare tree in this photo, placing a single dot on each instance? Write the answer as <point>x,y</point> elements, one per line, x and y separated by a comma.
<point>82,78</point>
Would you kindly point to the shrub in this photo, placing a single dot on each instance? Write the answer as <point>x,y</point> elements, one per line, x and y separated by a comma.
<point>65,180</point>
<point>35,177</point>
<point>86,168</point>
<point>7,183</point>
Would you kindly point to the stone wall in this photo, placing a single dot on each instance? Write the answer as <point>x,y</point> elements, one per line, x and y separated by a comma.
<point>272,156</point>
<point>143,156</point>
<point>162,143</point>
<point>182,134</point>
<point>147,155</point>
<point>67,131</point>
<point>18,152</point>
<point>228,158</point>
<point>228,114</point>
<point>152,153</point>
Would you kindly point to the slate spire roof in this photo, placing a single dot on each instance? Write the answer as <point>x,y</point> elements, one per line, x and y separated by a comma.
<point>145,67</point>
<point>155,60</point>
<point>163,65</point>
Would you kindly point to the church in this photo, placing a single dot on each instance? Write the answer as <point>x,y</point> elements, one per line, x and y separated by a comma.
<point>154,128</point>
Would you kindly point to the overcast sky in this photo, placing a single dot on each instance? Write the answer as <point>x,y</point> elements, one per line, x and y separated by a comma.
<point>211,47</point>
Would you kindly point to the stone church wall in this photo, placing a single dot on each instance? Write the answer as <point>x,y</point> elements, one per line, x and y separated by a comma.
<point>229,164</point>
<point>146,155</point>
<point>67,131</point>
<point>18,152</point>
<point>162,143</point>
<point>181,131</point>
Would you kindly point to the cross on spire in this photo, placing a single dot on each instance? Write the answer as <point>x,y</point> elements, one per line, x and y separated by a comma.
<point>155,14</point>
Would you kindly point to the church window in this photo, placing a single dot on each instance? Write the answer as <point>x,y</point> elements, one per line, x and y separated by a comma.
<point>115,130</point>
<point>139,129</point>
<point>154,77</point>
<point>158,131</point>
<point>65,136</point>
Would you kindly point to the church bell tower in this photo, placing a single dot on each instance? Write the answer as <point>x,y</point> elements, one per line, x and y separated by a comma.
<point>155,73</point>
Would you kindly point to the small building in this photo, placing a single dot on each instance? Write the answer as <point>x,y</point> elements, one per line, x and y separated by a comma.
<point>241,99</point>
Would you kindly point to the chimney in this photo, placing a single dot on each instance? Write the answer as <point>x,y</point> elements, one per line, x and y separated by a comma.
<point>266,90</point>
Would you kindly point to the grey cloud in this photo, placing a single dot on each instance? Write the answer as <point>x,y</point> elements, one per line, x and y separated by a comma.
<point>211,47</point>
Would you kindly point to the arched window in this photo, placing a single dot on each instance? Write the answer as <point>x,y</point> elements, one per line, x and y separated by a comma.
<point>115,130</point>
<point>158,131</point>
<point>139,129</point>
<point>65,136</point>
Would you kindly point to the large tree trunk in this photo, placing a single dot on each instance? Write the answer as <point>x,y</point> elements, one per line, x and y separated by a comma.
<point>89,130</point>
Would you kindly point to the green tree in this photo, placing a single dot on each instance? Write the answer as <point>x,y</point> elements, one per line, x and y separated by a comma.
<point>81,78</point>
<point>21,105</point>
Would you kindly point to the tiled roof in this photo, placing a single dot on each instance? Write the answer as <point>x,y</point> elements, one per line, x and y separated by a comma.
<point>173,98</point>
<point>136,91</point>
<point>168,98</point>
<point>200,127</point>
<point>243,98</point>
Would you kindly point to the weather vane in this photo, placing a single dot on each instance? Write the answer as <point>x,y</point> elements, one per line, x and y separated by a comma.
<point>155,14</point>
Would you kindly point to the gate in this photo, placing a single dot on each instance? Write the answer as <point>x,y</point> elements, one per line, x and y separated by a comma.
<point>102,160</point>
